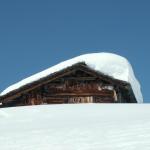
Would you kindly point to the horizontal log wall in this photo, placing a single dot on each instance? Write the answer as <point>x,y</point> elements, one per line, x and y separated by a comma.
<point>80,88</point>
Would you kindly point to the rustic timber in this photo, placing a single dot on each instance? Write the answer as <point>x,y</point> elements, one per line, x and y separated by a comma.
<point>75,84</point>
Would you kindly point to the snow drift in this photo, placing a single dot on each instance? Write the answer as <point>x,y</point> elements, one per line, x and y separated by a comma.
<point>76,127</point>
<point>110,64</point>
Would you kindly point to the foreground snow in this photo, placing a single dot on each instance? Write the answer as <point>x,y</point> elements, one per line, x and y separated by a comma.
<point>76,127</point>
<point>110,64</point>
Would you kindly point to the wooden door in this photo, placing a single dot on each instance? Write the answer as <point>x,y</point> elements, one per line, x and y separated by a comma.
<point>98,99</point>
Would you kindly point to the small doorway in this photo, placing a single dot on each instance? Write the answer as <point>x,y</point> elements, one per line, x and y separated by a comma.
<point>98,99</point>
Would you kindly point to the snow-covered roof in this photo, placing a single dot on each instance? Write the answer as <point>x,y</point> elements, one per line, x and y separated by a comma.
<point>110,64</point>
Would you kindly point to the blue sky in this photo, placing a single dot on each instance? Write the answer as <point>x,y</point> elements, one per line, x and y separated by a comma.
<point>35,35</point>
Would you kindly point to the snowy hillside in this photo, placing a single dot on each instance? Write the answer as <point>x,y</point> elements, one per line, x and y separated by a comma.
<point>110,64</point>
<point>76,127</point>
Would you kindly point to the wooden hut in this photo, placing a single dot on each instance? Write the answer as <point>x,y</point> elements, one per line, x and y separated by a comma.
<point>75,84</point>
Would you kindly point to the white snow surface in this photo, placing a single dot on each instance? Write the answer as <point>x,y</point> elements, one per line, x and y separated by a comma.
<point>76,127</point>
<point>110,64</point>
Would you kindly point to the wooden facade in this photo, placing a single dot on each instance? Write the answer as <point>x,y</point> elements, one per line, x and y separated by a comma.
<point>75,84</point>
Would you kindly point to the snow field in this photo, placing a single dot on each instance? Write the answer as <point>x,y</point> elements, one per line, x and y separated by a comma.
<point>76,127</point>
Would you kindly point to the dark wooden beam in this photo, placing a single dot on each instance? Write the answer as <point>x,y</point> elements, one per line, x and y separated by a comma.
<point>81,94</point>
<point>80,78</point>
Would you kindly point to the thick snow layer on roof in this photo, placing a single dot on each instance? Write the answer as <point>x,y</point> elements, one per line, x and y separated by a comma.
<point>110,64</point>
<point>76,127</point>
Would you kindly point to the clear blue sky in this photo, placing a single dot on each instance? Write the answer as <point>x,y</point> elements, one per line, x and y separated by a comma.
<point>35,35</point>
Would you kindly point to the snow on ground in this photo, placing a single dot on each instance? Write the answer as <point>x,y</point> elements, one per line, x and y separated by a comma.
<point>110,64</point>
<point>76,127</point>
